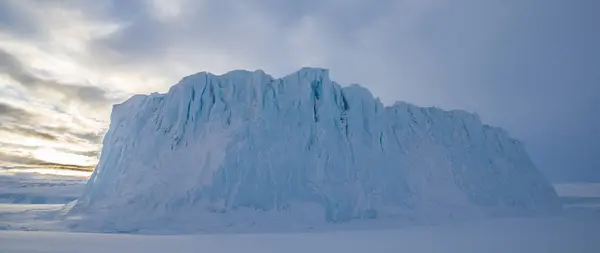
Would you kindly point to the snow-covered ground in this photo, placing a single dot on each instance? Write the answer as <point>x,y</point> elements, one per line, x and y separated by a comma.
<point>511,235</point>
<point>574,231</point>
<point>32,200</point>
<point>35,188</point>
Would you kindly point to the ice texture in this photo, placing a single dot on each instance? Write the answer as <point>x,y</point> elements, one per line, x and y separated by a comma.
<point>305,146</point>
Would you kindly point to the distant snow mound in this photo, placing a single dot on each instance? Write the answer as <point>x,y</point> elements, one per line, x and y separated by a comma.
<point>243,147</point>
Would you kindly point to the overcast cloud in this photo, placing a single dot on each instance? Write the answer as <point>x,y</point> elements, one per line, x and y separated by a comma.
<point>531,67</point>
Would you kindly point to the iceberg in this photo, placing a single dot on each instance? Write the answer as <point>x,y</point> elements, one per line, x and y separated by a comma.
<point>244,147</point>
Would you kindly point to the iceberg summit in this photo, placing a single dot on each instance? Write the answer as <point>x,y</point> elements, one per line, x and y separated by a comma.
<point>247,149</point>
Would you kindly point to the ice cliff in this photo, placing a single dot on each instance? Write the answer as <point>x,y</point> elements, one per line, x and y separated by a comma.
<point>245,142</point>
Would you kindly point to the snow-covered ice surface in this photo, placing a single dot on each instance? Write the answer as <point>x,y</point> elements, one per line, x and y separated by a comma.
<point>246,150</point>
<point>571,231</point>
<point>33,201</point>
<point>34,188</point>
<point>538,235</point>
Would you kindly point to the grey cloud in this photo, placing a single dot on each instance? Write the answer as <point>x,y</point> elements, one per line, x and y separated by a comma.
<point>11,66</point>
<point>16,146</point>
<point>207,25</point>
<point>28,131</point>
<point>15,19</point>
<point>94,153</point>
<point>23,122</point>
<point>12,113</point>
<point>77,136</point>
<point>271,35</point>
<point>92,137</point>
<point>10,160</point>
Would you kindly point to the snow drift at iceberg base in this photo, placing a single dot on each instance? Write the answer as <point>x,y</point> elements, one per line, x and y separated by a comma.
<point>247,149</point>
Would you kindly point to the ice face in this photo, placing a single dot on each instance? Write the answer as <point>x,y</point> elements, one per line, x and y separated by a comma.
<point>247,140</point>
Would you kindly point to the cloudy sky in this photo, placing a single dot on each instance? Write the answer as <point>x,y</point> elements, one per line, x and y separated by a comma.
<point>529,66</point>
